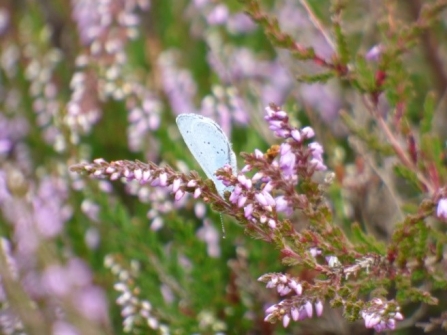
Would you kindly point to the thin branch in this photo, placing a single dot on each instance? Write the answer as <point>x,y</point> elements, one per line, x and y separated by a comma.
<point>318,25</point>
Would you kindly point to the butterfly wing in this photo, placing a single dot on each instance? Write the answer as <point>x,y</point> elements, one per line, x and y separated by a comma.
<point>208,144</point>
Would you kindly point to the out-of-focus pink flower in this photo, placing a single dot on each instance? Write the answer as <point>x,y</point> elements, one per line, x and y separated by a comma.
<point>441,210</point>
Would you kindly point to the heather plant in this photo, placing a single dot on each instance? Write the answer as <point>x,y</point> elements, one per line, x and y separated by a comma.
<point>333,223</point>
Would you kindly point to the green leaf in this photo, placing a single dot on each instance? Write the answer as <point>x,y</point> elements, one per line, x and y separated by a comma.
<point>366,243</point>
<point>316,78</point>
<point>429,110</point>
<point>407,174</point>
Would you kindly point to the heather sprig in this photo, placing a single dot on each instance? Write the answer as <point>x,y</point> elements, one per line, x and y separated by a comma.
<point>264,203</point>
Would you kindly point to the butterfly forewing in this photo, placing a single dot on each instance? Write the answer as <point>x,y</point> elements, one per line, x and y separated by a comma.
<point>208,144</point>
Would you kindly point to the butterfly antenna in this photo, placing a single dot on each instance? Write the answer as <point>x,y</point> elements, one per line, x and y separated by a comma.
<point>223,227</point>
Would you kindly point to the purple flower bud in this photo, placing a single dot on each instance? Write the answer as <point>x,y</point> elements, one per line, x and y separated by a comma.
<point>261,199</point>
<point>391,324</point>
<point>259,154</point>
<point>303,314</point>
<point>110,169</point>
<point>441,210</point>
<point>219,15</point>
<point>155,182</point>
<point>296,135</point>
<point>99,161</point>
<point>286,320</point>
<point>244,181</point>
<point>115,176</point>
<point>275,125</point>
<point>179,194</point>
<point>318,165</point>
<point>287,164</point>
<point>319,308</point>
<point>281,203</point>
<point>281,115</point>
<point>248,211</point>
<point>268,188</point>
<point>246,169</point>
<point>127,173</point>
<point>176,185</point>
<point>271,309</point>
<point>317,149</point>
<point>284,133</point>
<point>257,176</point>
<point>146,175</point>
<point>315,252</point>
<point>308,308</point>
<point>285,149</point>
<point>398,316</point>
<point>270,284</point>
<point>272,223</point>
<point>163,179</point>
<point>307,132</point>
<point>192,183</point>
<point>295,313</point>
<point>197,193</point>
<point>373,321</point>
<point>270,200</point>
<point>374,53</point>
<point>138,173</point>
<point>269,112</point>
<point>241,202</point>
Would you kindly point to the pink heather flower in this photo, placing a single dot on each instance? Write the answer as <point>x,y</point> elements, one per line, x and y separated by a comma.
<point>240,23</point>
<point>163,179</point>
<point>179,194</point>
<point>307,132</point>
<point>295,313</point>
<point>197,193</point>
<point>441,211</point>
<point>272,223</point>
<point>241,201</point>
<point>248,211</point>
<point>319,308</point>
<point>287,162</point>
<point>258,154</point>
<point>317,149</point>
<point>296,135</point>
<point>377,315</point>
<point>374,53</point>
<point>314,252</point>
<point>283,206</point>
<point>261,199</point>
<point>297,287</point>
<point>286,320</point>
<point>244,181</point>
<point>192,183</point>
<point>219,15</point>
<point>308,308</point>
<point>176,185</point>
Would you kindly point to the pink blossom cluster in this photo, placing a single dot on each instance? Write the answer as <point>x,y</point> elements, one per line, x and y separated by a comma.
<point>272,189</point>
<point>134,311</point>
<point>294,308</point>
<point>381,315</point>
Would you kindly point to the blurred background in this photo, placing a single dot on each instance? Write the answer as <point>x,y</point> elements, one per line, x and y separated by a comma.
<point>86,79</point>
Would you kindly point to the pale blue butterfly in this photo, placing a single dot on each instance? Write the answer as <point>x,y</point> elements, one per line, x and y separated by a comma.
<point>208,144</point>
